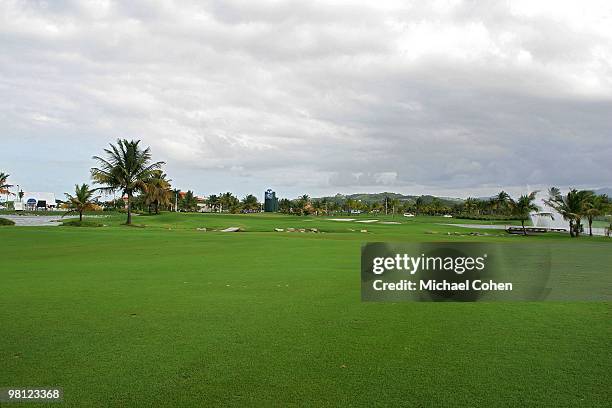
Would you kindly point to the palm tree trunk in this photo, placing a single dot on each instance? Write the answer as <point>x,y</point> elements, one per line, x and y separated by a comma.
<point>590,226</point>
<point>129,208</point>
<point>523,225</point>
<point>571,228</point>
<point>80,216</point>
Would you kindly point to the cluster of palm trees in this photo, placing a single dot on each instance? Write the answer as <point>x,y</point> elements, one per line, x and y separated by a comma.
<point>578,205</point>
<point>423,205</point>
<point>228,202</point>
<point>499,205</point>
<point>304,205</point>
<point>126,168</point>
<point>574,207</point>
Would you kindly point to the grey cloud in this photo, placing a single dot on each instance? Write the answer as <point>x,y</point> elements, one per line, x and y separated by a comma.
<point>313,97</point>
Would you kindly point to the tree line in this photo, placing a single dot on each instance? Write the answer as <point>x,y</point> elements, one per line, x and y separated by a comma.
<point>128,168</point>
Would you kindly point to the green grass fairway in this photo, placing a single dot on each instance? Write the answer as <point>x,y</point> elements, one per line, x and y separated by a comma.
<point>166,315</point>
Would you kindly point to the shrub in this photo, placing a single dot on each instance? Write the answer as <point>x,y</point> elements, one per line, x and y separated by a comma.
<point>4,221</point>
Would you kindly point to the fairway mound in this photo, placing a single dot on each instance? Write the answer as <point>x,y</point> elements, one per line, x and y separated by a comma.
<point>84,223</point>
<point>5,223</point>
<point>232,229</point>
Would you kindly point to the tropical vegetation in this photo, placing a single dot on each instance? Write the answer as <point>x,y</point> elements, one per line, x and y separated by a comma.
<point>127,167</point>
<point>82,200</point>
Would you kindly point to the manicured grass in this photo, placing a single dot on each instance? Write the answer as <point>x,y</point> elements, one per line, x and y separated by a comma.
<point>170,316</point>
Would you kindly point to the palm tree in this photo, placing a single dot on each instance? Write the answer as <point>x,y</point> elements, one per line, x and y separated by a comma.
<point>350,204</point>
<point>157,191</point>
<point>213,202</point>
<point>394,203</point>
<point>318,206</point>
<point>189,202</point>
<point>595,205</point>
<point>4,186</point>
<point>230,202</point>
<point>523,207</point>
<point>284,205</point>
<point>125,168</point>
<point>302,204</point>
<point>250,203</point>
<point>82,200</point>
<point>501,201</point>
<point>571,206</point>
<point>419,205</point>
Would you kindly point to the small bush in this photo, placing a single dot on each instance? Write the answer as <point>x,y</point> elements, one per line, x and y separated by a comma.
<point>84,223</point>
<point>5,222</point>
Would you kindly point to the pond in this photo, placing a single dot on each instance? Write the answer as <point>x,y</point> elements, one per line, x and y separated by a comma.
<point>36,220</point>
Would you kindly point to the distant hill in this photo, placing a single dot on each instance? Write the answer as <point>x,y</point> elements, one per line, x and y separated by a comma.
<point>379,197</point>
<point>607,191</point>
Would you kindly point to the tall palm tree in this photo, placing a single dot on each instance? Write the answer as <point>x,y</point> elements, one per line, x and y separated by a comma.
<point>502,200</point>
<point>126,168</point>
<point>157,190</point>
<point>82,200</point>
<point>571,206</point>
<point>524,206</point>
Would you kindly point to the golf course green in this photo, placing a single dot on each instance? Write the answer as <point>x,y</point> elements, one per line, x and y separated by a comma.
<point>164,313</point>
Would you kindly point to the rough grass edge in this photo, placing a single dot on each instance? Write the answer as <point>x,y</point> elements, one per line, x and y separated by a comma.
<point>6,222</point>
<point>84,223</point>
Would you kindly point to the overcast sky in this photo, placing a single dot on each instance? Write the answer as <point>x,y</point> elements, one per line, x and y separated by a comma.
<point>454,98</point>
